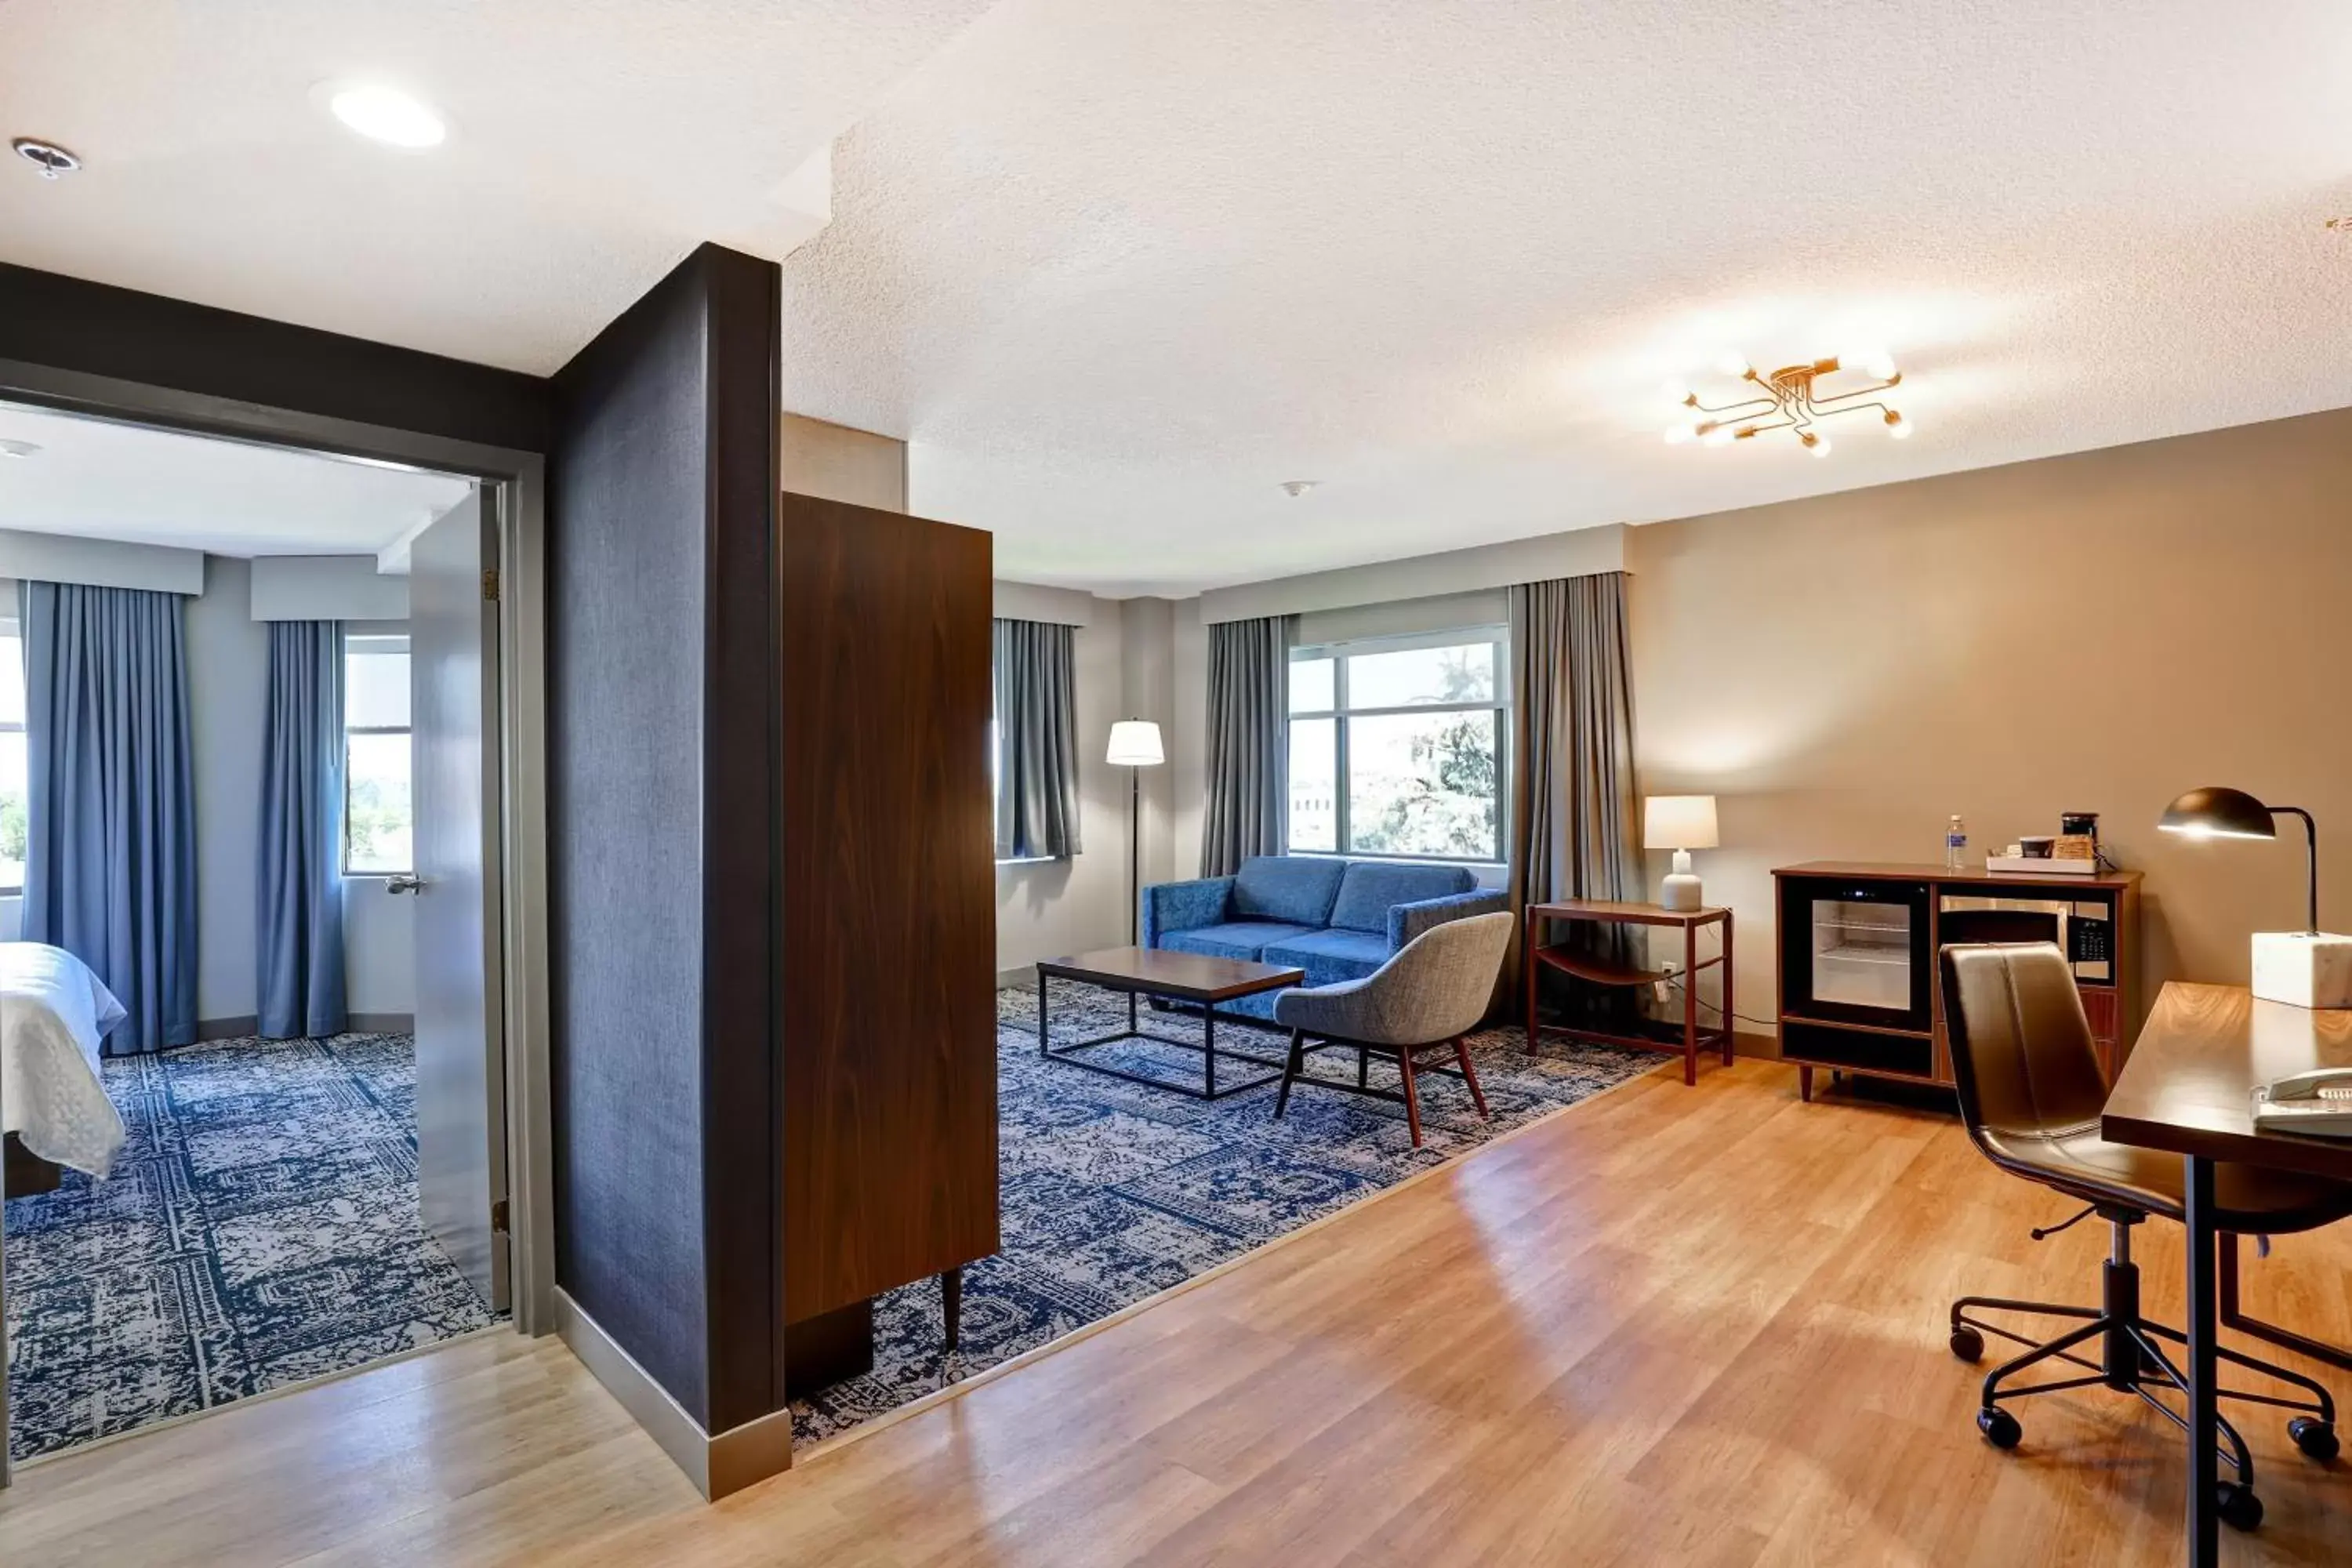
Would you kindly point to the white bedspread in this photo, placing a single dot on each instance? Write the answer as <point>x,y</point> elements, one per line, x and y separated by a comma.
<point>53,1012</point>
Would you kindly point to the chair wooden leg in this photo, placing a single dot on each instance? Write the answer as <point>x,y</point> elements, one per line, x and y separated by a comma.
<point>1411,1094</point>
<point>952,1304</point>
<point>1291,1066</point>
<point>1470,1076</point>
<point>1363,1067</point>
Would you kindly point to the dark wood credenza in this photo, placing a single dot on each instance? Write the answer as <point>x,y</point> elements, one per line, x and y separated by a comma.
<point>1856,945</point>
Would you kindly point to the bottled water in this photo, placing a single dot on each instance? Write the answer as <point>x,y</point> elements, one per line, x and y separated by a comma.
<point>1955,845</point>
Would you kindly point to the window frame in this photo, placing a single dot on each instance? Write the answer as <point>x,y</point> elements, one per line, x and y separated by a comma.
<point>1339,651</point>
<point>408,731</point>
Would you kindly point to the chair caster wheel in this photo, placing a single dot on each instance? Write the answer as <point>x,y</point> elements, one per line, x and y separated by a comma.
<point>1966,1343</point>
<point>2240,1509</point>
<point>2000,1428</point>
<point>2316,1437</point>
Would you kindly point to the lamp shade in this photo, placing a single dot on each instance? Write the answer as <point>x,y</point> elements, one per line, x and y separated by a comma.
<point>2216,812</point>
<point>1135,743</point>
<point>1678,821</point>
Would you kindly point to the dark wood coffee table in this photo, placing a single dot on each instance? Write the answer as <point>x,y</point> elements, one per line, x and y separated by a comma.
<point>1187,977</point>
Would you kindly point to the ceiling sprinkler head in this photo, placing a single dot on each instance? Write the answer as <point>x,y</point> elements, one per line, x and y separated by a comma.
<point>47,156</point>
<point>1294,488</point>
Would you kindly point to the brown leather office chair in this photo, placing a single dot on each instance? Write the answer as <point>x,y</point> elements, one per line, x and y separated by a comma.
<point>2031,1093</point>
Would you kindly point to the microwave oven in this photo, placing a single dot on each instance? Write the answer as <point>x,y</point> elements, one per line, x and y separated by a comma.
<point>2084,929</point>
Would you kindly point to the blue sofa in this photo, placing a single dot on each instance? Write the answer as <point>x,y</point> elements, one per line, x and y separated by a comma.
<point>1337,920</point>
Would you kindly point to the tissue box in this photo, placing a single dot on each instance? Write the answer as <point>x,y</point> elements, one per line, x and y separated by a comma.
<point>2305,970</point>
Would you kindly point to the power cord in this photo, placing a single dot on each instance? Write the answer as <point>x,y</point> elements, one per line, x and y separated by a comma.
<point>1675,982</point>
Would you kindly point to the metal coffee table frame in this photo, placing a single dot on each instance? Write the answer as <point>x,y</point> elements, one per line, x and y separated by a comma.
<point>1206,1045</point>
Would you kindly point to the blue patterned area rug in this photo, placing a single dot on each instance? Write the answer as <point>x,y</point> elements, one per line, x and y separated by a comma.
<point>260,1227</point>
<point>1113,1192</point>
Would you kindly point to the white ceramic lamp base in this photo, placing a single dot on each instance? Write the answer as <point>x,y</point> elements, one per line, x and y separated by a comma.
<point>2303,969</point>
<point>1681,892</point>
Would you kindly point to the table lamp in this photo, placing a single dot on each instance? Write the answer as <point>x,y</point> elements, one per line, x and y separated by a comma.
<point>1681,823</point>
<point>1135,746</point>
<point>2308,968</point>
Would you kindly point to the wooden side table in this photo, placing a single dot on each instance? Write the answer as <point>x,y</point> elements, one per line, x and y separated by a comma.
<point>1535,957</point>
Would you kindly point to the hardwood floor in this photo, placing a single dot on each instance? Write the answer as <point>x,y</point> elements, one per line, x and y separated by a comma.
<point>1672,1325</point>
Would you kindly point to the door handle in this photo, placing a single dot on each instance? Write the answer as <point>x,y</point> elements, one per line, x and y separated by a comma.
<point>403,882</point>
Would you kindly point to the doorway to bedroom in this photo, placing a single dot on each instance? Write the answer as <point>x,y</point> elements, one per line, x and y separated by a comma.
<point>249,976</point>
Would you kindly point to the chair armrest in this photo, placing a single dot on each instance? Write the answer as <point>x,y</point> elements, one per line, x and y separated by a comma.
<point>1407,921</point>
<point>1184,906</point>
<point>1343,1009</point>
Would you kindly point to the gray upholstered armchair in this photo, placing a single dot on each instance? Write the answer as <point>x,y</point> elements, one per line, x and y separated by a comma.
<point>1431,994</point>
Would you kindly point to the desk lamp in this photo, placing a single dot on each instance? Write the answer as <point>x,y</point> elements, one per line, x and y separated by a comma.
<point>2308,968</point>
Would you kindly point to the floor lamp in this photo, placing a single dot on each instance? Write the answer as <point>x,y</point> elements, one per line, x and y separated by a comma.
<point>1135,746</point>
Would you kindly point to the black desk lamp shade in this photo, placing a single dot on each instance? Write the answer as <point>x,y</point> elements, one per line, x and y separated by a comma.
<point>2216,813</point>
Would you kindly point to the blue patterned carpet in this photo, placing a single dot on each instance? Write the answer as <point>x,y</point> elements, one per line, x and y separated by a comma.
<point>1113,1192</point>
<point>260,1227</point>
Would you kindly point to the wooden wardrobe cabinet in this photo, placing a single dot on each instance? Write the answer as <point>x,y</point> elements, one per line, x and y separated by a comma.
<point>885,1012</point>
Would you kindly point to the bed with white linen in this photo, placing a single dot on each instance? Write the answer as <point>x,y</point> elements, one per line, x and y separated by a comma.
<point>53,1012</point>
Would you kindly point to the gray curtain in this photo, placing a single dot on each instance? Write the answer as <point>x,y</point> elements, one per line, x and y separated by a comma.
<point>110,864</point>
<point>1249,754</point>
<point>1036,740</point>
<point>1573,792</point>
<point>299,906</point>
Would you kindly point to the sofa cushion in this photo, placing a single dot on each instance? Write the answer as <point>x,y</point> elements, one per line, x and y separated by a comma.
<point>1234,938</point>
<point>1297,888</point>
<point>1369,888</point>
<point>1332,956</point>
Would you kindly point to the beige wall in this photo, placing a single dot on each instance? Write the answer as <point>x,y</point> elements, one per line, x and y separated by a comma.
<point>837,463</point>
<point>2092,633</point>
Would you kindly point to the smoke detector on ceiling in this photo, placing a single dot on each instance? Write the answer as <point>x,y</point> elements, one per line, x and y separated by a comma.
<point>19,448</point>
<point>47,156</point>
<point>1294,488</point>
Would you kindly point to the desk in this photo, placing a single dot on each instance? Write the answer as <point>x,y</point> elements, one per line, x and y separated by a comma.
<point>2184,1089</point>
<point>1606,912</point>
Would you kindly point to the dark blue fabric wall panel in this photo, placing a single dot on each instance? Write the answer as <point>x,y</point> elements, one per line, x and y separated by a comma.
<point>626,553</point>
<point>662,498</point>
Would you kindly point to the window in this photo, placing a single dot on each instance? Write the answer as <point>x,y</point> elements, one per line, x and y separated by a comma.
<point>375,755</point>
<point>1396,746</point>
<point>14,822</point>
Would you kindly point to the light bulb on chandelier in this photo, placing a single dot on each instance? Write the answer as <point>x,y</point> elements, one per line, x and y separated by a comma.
<point>1793,398</point>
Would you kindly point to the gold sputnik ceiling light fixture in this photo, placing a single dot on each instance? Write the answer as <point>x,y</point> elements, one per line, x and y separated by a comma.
<point>1790,399</point>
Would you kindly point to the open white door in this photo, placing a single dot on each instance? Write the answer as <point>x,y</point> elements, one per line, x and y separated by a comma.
<point>460,1073</point>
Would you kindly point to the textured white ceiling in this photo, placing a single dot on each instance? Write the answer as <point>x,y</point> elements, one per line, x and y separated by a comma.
<point>1119,269</point>
<point>95,480</point>
<point>593,144</point>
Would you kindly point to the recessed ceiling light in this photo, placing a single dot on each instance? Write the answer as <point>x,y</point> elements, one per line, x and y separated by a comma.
<point>388,115</point>
<point>1294,488</point>
<point>19,448</point>
<point>47,156</point>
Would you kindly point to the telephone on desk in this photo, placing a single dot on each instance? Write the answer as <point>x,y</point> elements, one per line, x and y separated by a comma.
<point>2314,1103</point>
